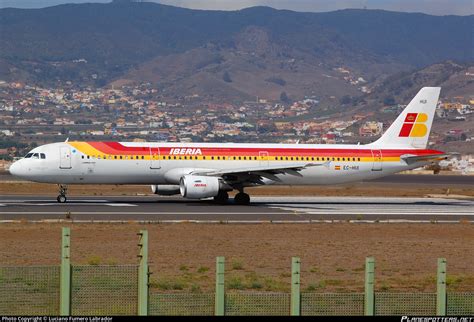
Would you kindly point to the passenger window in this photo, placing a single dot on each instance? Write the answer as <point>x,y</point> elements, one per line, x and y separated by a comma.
<point>43,156</point>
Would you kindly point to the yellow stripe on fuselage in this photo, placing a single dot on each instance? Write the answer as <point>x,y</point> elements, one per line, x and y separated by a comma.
<point>85,148</point>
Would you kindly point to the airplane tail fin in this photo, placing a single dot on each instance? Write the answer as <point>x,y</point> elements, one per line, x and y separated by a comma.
<point>412,127</point>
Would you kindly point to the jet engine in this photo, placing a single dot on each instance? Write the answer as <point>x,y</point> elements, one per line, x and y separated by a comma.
<point>197,187</point>
<point>165,190</point>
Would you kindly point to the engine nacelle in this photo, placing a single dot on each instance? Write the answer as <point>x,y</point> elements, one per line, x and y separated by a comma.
<point>197,187</point>
<point>165,190</point>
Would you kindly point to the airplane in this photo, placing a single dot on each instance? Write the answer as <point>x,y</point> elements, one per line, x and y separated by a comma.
<point>211,170</point>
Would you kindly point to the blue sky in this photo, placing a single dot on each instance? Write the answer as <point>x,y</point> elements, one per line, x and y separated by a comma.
<point>434,7</point>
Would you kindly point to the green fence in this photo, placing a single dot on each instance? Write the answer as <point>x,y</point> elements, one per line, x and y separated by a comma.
<point>181,304</point>
<point>104,290</point>
<point>29,290</point>
<point>124,290</point>
<point>332,304</point>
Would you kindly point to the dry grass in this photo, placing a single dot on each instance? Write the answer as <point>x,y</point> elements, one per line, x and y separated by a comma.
<point>258,257</point>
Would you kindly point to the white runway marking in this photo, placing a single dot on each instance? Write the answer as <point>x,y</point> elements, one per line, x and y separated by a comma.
<point>52,203</point>
<point>372,206</point>
<point>251,222</point>
<point>27,202</point>
<point>311,211</point>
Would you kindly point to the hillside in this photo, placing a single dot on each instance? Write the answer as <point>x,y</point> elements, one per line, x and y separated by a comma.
<point>455,79</point>
<point>457,85</point>
<point>261,50</point>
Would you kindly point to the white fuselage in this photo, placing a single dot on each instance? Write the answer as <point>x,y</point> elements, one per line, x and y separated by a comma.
<point>166,163</point>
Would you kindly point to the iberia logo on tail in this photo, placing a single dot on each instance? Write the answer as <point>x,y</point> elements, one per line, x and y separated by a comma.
<point>414,125</point>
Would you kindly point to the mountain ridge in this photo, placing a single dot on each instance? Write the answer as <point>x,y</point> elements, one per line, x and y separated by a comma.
<point>115,41</point>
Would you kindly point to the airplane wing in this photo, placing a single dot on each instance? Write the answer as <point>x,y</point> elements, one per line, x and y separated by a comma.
<point>410,158</point>
<point>255,174</point>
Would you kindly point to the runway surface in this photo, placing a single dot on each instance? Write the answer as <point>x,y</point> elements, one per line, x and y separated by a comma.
<point>274,209</point>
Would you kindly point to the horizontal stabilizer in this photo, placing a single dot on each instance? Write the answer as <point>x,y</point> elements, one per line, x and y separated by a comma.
<point>410,158</point>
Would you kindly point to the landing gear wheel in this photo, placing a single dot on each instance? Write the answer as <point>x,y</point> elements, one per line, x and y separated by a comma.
<point>242,198</point>
<point>222,197</point>
<point>62,193</point>
<point>61,198</point>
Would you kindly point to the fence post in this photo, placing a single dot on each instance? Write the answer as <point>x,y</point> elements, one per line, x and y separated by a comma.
<point>65,278</point>
<point>441,288</point>
<point>220,296</point>
<point>295,285</point>
<point>143,273</point>
<point>369,302</point>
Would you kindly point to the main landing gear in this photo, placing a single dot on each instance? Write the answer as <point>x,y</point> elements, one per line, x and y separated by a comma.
<point>222,197</point>
<point>242,198</point>
<point>62,193</point>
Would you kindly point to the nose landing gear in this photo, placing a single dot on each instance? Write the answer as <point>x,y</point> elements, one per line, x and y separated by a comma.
<point>62,193</point>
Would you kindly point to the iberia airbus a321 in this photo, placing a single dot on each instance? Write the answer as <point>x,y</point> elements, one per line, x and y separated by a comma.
<point>204,170</point>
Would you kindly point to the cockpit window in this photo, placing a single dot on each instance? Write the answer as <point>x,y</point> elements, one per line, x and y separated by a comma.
<point>35,156</point>
<point>28,155</point>
<point>43,156</point>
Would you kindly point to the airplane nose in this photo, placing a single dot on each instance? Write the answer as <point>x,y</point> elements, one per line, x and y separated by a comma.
<point>15,169</point>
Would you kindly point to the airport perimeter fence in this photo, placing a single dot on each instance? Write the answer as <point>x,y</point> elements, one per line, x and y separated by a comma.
<point>124,290</point>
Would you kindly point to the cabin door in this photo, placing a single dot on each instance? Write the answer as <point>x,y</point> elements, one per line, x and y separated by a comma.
<point>65,157</point>
<point>263,158</point>
<point>155,158</point>
<point>377,156</point>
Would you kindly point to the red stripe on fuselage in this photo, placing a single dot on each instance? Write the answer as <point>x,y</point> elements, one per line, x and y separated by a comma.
<point>115,148</point>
